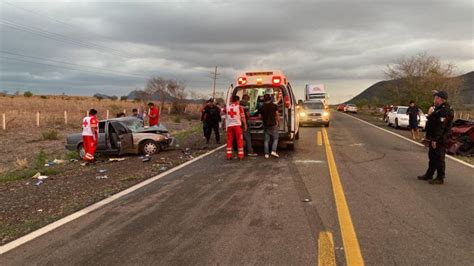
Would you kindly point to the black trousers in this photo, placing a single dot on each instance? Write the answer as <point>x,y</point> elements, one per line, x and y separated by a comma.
<point>437,161</point>
<point>210,128</point>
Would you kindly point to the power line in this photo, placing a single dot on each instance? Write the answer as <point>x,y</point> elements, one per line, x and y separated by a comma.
<point>70,26</point>
<point>65,67</point>
<point>72,64</point>
<point>57,37</point>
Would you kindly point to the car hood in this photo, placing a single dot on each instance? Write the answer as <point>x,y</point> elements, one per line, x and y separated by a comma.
<point>313,110</point>
<point>154,129</point>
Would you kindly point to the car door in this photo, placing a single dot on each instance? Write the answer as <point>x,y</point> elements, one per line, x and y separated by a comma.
<point>102,143</point>
<point>125,137</point>
<point>293,118</point>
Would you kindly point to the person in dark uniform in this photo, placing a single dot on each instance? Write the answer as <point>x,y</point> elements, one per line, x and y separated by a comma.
<point>212,116</point>
<point>438,129</point>
<point>413,113</point>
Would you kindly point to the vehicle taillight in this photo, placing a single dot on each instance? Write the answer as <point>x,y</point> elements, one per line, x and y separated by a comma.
<point>242,81</point>
<point>276,80</point>
<point>259,81</point>
<point>287,101</point>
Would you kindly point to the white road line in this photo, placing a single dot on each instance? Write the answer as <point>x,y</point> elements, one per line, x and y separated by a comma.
<point>309,161</point>
<point>412,141</point>
<point>24,239</point>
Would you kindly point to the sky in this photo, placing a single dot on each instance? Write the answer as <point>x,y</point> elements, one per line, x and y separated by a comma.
<point>113,47</point>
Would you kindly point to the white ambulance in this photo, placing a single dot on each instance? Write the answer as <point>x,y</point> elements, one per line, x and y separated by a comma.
<point>256,84</point>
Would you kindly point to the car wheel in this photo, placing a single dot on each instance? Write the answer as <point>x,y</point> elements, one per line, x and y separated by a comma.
<point>81,151</point>
<point>327,124</point>
<point>396,124</point>
<point>149,147</point>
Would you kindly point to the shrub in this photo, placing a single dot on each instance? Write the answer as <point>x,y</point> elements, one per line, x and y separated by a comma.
<point>177,119</point>
<point>28,94</point>
<point>123,98</point>
<point>40,159</point>
<point>44,97</point>
<point>50,135</point>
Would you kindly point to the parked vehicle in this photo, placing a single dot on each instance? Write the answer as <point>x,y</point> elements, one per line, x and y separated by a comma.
<point>341,107</point>
<point>275,83</point>
<point>125,135</point>
<point>314,113</point>
<point>351,108</point>
<point>398,117</point>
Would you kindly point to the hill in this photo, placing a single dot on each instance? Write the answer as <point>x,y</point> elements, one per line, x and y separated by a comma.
<point>379,90</point>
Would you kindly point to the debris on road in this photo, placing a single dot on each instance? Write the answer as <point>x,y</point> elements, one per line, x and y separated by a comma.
<point>39,176</point>
<point>101,177</point>
<point>101,171</point>
<point>146,159</point>
<point>462,138</point>
<point>116,159</point>
<point>39,183</point>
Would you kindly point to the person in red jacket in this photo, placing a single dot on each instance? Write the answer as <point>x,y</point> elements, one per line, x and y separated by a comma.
<point>153,115</point>
<point>90,135</point>
<point>235,118</point>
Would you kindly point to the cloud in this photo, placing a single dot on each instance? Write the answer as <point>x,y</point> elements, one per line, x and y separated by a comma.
<point>346,44</point>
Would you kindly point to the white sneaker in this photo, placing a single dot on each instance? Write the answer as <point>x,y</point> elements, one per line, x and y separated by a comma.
<point>267,156</point>
<point>274,154</point>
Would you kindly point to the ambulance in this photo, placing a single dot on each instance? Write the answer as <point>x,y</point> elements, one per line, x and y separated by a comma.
<point>256,84</point>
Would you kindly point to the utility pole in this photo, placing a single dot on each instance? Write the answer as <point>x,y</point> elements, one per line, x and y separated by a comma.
<point>214,87</point>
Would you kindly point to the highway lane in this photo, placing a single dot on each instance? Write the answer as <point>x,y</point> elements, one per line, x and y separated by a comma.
<point>274,211</point>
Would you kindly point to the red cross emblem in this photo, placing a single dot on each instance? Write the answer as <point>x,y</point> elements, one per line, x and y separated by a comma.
<point>231,112</point>
<point>85,124</point>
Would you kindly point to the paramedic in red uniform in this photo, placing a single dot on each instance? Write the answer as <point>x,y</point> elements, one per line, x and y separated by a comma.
<point>154,115</point>
<point>235,118</point>
<point>90,135</point>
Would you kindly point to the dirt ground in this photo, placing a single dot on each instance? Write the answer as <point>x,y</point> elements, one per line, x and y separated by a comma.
<point>27,206</point>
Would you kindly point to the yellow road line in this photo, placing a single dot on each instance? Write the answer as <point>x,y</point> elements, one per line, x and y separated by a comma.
<point>349,237</point>
<point>326,254</point>
<point>319,139</point>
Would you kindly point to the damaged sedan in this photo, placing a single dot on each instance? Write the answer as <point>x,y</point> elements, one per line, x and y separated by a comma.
<point>125,135</point>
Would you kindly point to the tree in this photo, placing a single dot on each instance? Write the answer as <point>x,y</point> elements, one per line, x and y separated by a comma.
<point>28,94</point>
<point>123,98</point>
<point>113,98</point>
<point>418,76</point>
<point>158,85</point>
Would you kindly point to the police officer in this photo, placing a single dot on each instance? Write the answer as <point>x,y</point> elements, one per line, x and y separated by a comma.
<point>438,128</point>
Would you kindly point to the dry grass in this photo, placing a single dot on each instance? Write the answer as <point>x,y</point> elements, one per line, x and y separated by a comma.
<point>21,111</point>
<point>21,164</point>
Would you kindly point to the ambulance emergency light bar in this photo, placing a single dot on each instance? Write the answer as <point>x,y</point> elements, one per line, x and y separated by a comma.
<point>275,80</point>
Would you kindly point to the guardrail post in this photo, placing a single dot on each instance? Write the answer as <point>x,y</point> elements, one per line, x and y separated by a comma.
<point>65,117</point>
<point>37,119</point>
<point>4,122</point>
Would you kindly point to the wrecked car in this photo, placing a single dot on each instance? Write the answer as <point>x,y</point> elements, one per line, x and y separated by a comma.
<point>125,135</point>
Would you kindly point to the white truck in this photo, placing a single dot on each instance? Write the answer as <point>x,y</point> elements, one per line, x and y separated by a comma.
<point>316,93</point>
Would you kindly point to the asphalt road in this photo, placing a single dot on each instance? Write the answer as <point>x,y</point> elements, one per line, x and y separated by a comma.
<point>277,211</point>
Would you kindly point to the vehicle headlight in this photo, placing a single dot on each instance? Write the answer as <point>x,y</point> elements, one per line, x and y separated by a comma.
<point>302,114</point>
<point>325,113</point>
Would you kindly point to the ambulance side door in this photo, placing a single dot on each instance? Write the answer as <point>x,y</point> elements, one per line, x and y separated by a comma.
<point>125,137</point>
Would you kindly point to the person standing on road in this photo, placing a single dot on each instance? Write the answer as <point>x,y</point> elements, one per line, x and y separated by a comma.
<point>235,118</point>
<point>413,113</point>
<point>271,123</point>
<point>247,137</point>
<point>153,115</point>
<point>212,117</point>
<point>438,129</point>
<point>90,135</point>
